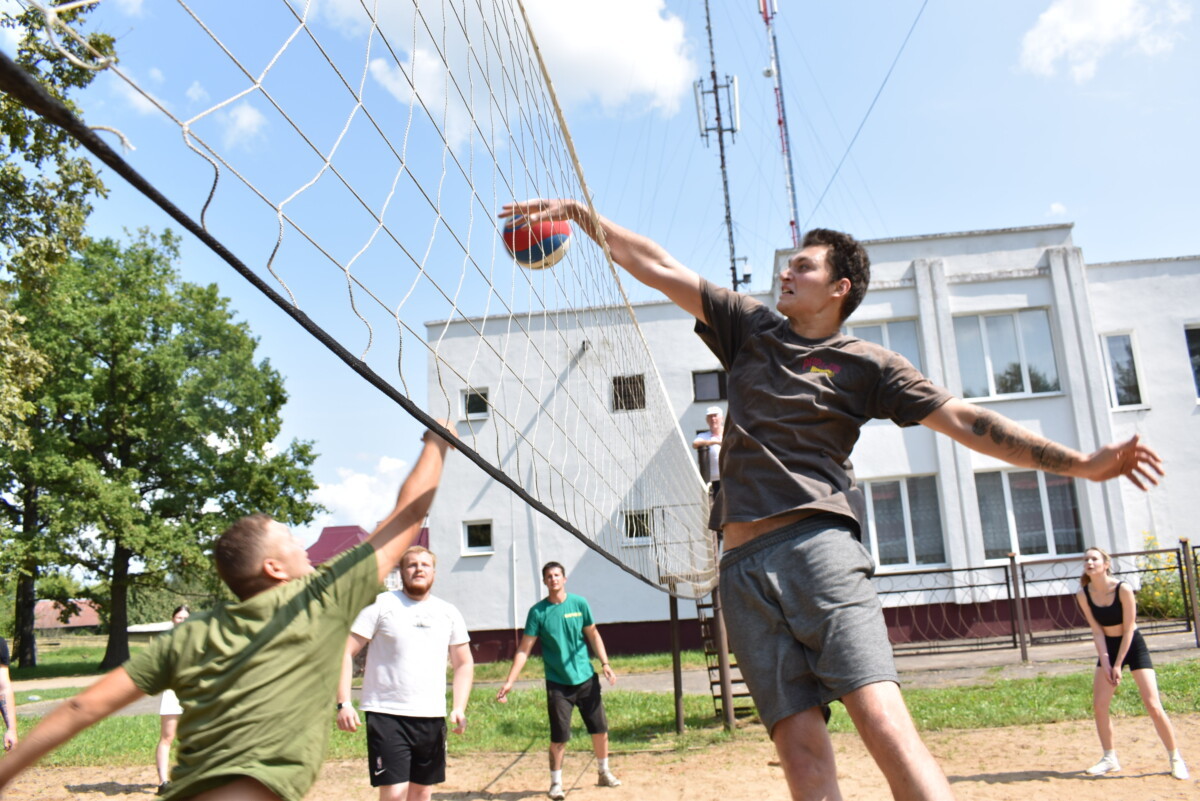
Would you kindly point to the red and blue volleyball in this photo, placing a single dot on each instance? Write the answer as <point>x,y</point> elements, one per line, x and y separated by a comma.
<point>537,246</point>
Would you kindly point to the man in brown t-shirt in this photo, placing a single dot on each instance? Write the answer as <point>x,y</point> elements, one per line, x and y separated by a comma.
<point>794,575</point>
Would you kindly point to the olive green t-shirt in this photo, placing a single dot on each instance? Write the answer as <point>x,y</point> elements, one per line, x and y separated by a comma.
<point>257,679</point>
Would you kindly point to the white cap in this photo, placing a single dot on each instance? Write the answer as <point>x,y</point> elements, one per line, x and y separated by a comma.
<point>712,410</point>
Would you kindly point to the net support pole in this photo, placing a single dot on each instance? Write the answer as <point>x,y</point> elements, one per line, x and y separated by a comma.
<point>723,659</point>
<point>1017,593</point>
<point>676,664</point>
<point>1193,585</point>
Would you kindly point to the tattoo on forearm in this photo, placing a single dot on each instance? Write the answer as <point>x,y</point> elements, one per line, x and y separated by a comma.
<point>4,714</point>
<point>1045,455</point>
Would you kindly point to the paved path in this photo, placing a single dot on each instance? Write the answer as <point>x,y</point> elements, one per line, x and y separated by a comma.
<point>953,669</point>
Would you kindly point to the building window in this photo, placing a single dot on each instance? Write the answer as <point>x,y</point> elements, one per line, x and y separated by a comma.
<point>709,386</point>
<point>475,404</point>
<point>898,335</point>
<point>1006,354</point>
<point>1123,389</point>
<point>1028,512</point>
<point>639,527</point>
<point>629,392</point>
<point>904,522</point>
<point>1193,345</point>
<point>477,537</point>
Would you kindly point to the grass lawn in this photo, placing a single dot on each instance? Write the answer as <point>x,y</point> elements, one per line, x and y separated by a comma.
<point>640,720</point>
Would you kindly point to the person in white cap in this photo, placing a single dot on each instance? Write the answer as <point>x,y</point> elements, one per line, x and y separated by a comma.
<point>709,445</point>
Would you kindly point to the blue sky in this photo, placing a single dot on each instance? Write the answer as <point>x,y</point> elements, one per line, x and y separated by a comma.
<point>997,114</point>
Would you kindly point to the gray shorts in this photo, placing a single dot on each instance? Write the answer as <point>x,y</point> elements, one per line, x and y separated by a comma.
<point>803,617</point>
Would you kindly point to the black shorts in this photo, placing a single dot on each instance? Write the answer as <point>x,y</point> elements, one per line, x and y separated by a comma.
<point>562,698</point>
<point>402,749</point>
<point>1136,658</point>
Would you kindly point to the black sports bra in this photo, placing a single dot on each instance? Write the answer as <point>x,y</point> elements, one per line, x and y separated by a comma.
<point>1110,615</point>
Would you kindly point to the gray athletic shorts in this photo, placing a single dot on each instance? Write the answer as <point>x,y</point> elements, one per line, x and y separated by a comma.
<point>803,618</point>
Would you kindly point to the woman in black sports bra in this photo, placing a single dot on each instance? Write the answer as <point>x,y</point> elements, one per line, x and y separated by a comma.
<point>1111,611</point>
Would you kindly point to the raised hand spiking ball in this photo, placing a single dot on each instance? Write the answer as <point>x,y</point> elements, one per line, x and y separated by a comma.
<point>537,246</point>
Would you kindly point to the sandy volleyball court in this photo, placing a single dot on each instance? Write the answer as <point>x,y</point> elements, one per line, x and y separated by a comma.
<point>991,765</point>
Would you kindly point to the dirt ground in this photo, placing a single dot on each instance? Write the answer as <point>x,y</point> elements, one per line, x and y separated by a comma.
<point>1014,763</point>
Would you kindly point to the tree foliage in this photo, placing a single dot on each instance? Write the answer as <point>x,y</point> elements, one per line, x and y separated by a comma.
<point>153,429</point>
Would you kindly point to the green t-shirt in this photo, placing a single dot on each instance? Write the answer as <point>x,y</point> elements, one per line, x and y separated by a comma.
<point>257,679</point>
<point>564,648</point>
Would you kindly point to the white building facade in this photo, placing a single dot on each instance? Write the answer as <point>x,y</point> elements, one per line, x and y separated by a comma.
<point>1011,319</point>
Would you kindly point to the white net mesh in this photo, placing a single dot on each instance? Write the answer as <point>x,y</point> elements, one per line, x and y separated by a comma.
<point>357,154</point>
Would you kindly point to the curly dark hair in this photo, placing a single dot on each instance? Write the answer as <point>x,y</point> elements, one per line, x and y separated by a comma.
<point>847,259</point>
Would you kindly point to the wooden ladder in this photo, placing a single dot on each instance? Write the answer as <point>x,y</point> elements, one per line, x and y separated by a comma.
<point>743,705</point>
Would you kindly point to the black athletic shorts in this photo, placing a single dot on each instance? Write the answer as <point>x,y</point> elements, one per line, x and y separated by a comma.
<point>402,749</point>
<point>562,698</point>
<point>1136,658</point>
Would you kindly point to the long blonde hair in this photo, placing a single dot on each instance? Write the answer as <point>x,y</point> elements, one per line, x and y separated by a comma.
<point>1085,579</point>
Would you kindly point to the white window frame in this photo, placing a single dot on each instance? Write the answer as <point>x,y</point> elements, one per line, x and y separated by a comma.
<point>887,337</point>
<point>478,550</point>
<point>1014,542</point>
<point>627,541</point>
<point>722,385</point>
<point>465,397</point>
<point>1111,377</point>
<point>987,353</point>
<point>911,563</point>
<point>1195,326</point>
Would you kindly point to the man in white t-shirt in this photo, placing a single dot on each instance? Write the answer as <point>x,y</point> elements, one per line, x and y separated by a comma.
<point>404,685</point>
<point>709,444</point>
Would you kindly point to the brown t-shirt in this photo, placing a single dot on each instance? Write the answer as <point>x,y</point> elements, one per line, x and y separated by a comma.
<point>796,406</point>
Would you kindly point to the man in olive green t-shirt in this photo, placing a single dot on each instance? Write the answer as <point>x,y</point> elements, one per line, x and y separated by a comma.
<point>254,676</point>
<point>564,624</point>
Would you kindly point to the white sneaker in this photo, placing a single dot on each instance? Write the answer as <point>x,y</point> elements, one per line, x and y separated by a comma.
<point>1178,769</point>
<point>1106,765</point>
<point>556,792</point>
<point>607,779</point>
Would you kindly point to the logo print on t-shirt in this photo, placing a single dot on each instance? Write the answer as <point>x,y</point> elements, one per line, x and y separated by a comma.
<point>814,364</point>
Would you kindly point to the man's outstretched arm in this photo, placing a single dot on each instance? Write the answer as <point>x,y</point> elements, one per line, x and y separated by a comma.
<point>400,528</point>
<point>642,257</point>
<point>995,435</point>
<point>69,718</point>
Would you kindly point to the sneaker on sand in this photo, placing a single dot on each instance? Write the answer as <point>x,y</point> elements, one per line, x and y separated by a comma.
<point>556,792</point>
<point>1178,769</point>
<point>607,779</point>
<point>1106,765</point>
<point>162,788</point>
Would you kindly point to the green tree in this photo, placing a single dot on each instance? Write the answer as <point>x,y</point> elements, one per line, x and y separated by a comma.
<point>156,421</point>
<point>46,189</point>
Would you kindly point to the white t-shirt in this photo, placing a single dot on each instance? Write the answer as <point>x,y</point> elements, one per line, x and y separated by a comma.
<point>714,456</point>
<point>406,664</point>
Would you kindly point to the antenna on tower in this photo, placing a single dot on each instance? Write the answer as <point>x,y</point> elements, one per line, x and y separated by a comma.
<point>768,9</point>
<point>729,92</point>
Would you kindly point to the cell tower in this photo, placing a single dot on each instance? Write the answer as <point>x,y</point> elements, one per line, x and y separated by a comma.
<point>727,92</point>
<point>768,9</point>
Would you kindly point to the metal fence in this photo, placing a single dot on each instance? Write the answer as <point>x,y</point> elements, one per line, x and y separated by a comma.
<point>1032,602</point>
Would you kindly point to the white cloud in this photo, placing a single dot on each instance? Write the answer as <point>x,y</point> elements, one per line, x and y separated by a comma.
<point>1080,33</point>
<point>156,75</point>
<point>131,7</point>
<point>615,52</point>
<point>1057,210</point>
<point>243,124</point>
<point>357,499</point>
<point>196,93</point>
<point>139,101</point>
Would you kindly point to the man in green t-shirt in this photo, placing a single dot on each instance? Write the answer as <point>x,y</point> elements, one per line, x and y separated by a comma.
<point>564,622</point>
<point>254,676</point>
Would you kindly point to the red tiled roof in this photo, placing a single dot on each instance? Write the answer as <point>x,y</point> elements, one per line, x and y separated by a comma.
<point>46,615</point>
<point>334,540</point>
